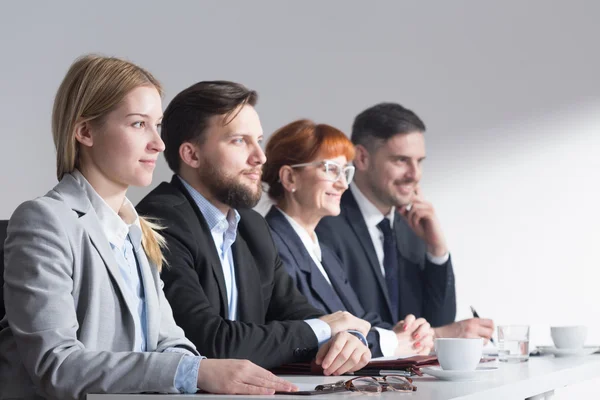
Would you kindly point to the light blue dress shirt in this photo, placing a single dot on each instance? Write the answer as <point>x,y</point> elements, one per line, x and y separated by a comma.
<point>187,370</point>
<point>224,230</point>
<point>124,234</point>
<point>128,265</point>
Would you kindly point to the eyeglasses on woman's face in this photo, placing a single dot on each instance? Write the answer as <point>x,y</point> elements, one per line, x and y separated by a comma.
<point>332,171</point>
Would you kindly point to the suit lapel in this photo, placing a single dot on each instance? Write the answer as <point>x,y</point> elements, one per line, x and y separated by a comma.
<point>150,294</point>
<point>92,226</point>
<point>248,283</point>
<point>74,195</point>
<point>403,241</point>
<point>356,221</point>
<point>323,290</point>
<point>338,280</point>
<point>319,286</point>
<point>209,250</point>
<point>207,247</point>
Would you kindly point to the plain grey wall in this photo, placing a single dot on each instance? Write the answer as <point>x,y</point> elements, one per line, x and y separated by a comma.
<point>509,91</point>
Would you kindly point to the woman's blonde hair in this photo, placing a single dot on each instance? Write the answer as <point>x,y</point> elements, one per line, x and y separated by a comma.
<point>92,88</point>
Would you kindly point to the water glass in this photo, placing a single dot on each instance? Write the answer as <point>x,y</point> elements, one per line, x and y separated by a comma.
<point>513,343</point>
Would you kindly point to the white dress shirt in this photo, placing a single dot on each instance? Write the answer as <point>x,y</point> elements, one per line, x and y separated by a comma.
<point>388,341</point>
<point>373,217</point>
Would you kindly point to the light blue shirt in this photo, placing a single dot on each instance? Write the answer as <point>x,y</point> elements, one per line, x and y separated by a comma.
<point>124,234</point>
<point>224,230</point>
<point>128,265</point>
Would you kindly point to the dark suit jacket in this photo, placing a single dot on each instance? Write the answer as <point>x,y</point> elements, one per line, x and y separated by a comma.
<point>339,296</point>
<point>269,329</point>
<point>426,290</point>
<point>3,226</point>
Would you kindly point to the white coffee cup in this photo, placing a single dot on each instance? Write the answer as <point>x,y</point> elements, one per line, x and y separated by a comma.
<point>458,354</point>
<point>568,337</point>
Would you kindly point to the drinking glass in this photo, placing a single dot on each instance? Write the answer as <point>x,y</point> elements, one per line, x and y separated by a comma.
<point>513,343</point>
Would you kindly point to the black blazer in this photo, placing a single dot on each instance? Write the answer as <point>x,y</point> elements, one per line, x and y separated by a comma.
<point>426,290</point>
<point>269,329</point>
<point>3,227</point>
<point>339,296</point>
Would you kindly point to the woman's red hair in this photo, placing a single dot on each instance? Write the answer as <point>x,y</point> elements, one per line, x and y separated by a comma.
<point>301,142</point>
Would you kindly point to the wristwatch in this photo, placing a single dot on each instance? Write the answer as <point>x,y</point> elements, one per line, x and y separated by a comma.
<point>359,335</point>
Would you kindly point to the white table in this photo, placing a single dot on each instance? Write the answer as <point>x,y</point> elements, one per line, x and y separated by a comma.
<point>535,379</point>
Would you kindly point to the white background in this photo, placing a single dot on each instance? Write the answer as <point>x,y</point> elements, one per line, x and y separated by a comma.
<point>509,91</point>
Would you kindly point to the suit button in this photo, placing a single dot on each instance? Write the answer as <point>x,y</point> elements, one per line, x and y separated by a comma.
<point>297,352</point>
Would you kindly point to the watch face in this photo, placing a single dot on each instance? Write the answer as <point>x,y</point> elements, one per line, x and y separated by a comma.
<point>360,337</point>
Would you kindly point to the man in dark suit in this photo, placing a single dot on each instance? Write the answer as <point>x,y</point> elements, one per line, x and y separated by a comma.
<point>388,236</point>
<point>224,279</point>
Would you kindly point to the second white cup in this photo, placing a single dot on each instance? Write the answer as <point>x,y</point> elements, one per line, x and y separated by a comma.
<point>568,337</point>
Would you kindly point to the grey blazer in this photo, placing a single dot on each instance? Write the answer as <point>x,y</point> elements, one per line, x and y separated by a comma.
<point>69,328</point>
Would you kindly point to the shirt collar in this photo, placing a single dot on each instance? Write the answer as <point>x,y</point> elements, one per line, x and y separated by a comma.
<point>311,245</point>
<point>370,213</point>
<point>216,220</point>
<point>115,226</point>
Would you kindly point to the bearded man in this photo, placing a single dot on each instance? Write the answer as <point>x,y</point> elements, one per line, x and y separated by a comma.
<point>226,284</point>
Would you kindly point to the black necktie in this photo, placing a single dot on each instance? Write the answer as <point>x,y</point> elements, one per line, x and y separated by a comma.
<point>390,264</point>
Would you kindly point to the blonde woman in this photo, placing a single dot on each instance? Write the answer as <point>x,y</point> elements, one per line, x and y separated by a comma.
<point>85,311</point>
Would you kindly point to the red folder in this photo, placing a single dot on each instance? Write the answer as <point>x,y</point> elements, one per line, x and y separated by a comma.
<point>410,364</point>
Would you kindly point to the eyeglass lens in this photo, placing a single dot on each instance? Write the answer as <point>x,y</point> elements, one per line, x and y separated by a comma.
<point>398,383</point>
<point>391,383</point>
<point>334,171</point>
<point>367,385</point>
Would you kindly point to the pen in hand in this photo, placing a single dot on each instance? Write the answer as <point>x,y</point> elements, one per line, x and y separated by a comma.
<point>475,315</point>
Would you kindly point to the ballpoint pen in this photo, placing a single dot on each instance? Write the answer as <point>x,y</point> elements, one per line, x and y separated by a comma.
<point>475,315</point>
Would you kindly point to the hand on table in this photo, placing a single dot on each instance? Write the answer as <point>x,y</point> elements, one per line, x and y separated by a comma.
<point>239,377</point>
<point>343,353</point>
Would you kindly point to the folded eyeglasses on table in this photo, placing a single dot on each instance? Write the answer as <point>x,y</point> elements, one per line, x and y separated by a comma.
<point>369,384</point>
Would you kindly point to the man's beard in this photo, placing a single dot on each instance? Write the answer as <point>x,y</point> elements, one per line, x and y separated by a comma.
<point>227,190</point>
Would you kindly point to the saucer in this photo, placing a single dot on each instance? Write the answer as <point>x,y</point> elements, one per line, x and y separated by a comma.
<point>583,351</point>
<point>477,374</point>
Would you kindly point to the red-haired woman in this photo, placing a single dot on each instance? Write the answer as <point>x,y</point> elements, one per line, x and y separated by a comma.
<point>308,168</point>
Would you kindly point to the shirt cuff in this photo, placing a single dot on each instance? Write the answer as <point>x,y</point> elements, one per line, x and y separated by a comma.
<point>179,350</point>
<point>321,329</point>
<point>438,260</point>
<point>388,341</point>
<point>186,376</point>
